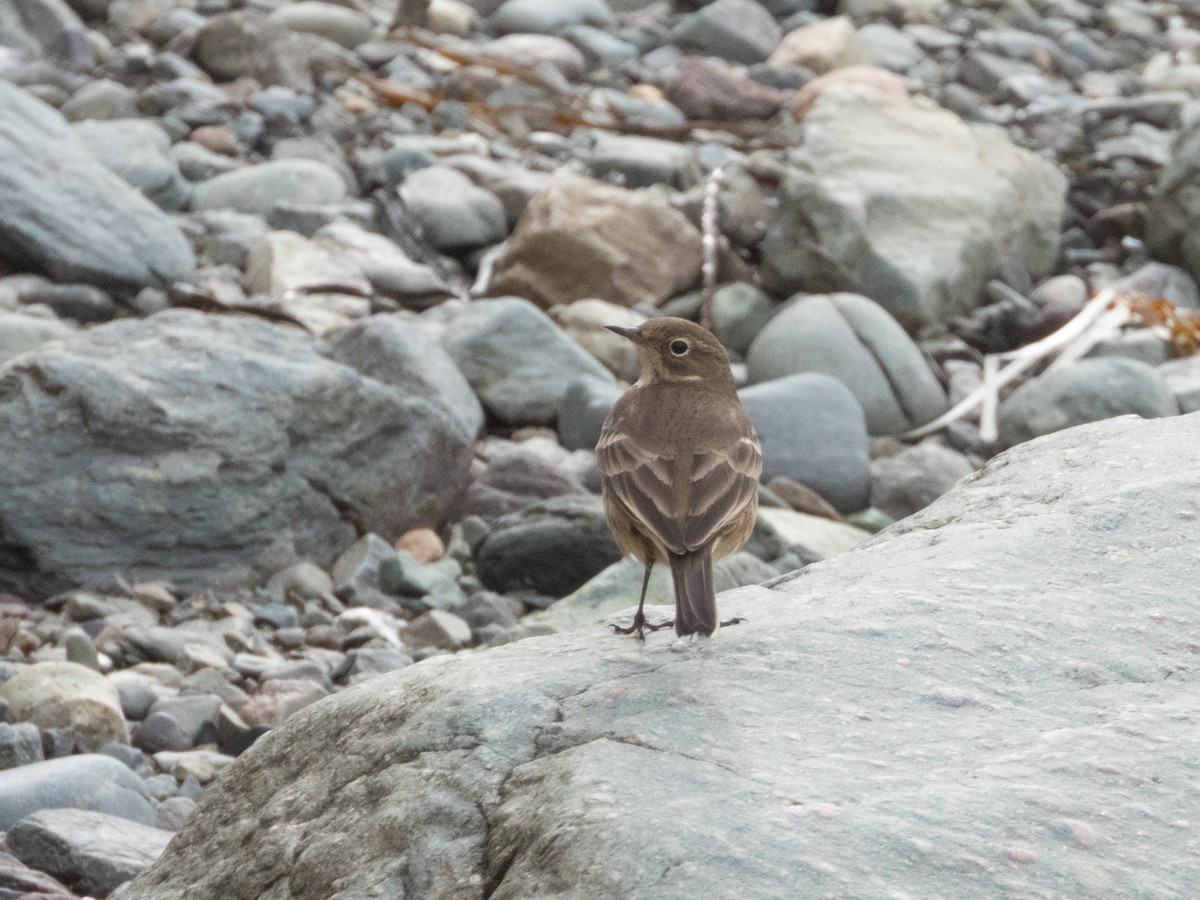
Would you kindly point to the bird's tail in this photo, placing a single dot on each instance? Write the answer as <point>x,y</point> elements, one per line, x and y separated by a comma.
<point>695,596</point>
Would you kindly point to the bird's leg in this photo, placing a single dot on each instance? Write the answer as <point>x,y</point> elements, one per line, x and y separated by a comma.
<point>639,619</point>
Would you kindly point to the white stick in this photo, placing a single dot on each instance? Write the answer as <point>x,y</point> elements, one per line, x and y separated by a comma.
<point>1019,361</point>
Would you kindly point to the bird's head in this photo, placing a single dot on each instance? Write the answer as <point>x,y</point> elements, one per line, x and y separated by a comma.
<point>677,350</point>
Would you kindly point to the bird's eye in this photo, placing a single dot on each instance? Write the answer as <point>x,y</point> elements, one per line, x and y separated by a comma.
<point>679,347</point>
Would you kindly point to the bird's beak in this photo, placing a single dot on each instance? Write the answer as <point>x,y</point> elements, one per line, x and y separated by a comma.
<point>631,333</point>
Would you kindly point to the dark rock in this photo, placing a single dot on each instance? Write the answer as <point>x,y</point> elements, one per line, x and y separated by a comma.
<point>552,547</point>
<point>19,882</point>
<point>179,723</point>
<point>20,745</point>
<point>739,31</point>
<point>81,302</point>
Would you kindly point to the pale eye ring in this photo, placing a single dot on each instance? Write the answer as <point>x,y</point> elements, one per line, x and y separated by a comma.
<point>679,347</point>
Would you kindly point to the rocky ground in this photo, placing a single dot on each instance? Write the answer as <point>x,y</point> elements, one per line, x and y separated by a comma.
<point>301,345</point>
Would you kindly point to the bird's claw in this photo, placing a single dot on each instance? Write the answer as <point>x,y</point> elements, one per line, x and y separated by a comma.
<point>640,627</point>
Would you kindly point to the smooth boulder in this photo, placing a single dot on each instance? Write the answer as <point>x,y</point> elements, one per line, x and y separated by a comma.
<point>812,429</point>
<point>881,721</point>
<point>183,446</point>
<point>856,341</point>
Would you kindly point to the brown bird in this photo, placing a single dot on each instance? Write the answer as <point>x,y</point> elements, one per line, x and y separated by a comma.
<point>679,465</point>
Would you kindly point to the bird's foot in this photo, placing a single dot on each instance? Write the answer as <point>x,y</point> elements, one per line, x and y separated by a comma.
<point>640,627</point>
<point>734,621</point>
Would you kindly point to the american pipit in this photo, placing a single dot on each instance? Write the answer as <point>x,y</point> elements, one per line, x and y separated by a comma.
<point>679,465</point>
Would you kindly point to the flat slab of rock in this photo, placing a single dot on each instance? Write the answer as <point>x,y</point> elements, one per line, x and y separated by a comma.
<point>90,852</point>
<point>182,445</point>
<point>64,214</point>
<point>996,696</point>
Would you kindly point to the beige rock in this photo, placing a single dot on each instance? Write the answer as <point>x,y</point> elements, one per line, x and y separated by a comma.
<point>451,17</point>
<point>67,695</point>
<point>278,699</point>
<point>293,271</point>
<point>585,321</point>
<point>820,535</point>
<point>423,543</point>
<point>822,46</point>
<point>580,238</point>
<point>204,764</point>
<point>866,78</point>
<point>437,628</point>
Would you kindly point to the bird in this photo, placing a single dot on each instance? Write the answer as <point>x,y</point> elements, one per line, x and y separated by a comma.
<point>679,465</point>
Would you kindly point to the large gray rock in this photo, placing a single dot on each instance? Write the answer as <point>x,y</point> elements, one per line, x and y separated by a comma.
<point>908,205</point>
<point>183,446</point>
<point>1084,391</point>
<point>581,238</point>
<point>999,691</point>
<point>88,851</point>
<point>518,361</point>
<point>66,215</point>
<point>90,781</point>
<point>812,429</point>
<point>857,342</point>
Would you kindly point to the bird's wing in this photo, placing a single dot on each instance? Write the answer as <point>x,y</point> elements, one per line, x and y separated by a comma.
<point>686,500</point>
